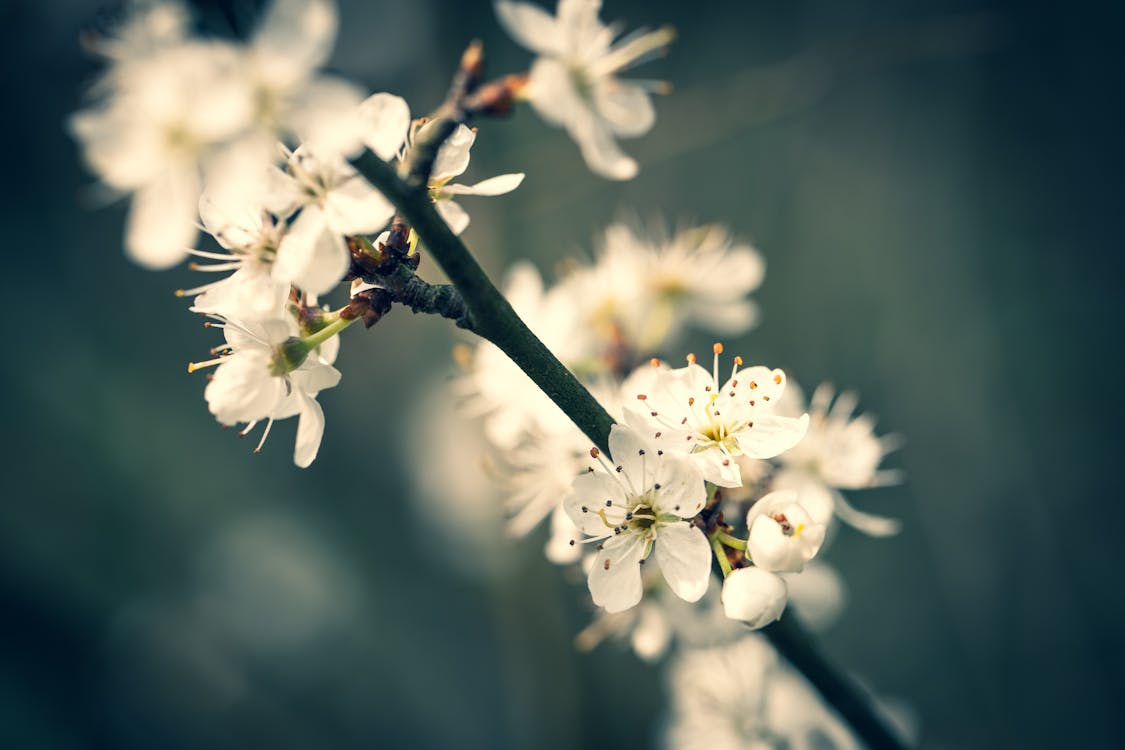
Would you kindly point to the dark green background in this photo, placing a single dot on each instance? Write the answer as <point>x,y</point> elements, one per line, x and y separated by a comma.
<point>936,187</point>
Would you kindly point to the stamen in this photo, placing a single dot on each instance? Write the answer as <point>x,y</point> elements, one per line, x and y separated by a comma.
<point>193,366</point>
<point>717,349</point>
<point>265,434</point>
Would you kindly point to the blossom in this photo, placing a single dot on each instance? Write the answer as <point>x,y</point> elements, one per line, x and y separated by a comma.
<point>155,133</point>
<point>643,290</point>
<point>388,132</point>
<point>334,201</point>
<point>840,452</point>
<point>742,695</point>
<point>692,410</point>
<point>256,379</point>
<point>637,506</point>
<point>574,84</point>
<point>783,537</point>
<point>452,160</point>
<point>754,595</point>
<point>251,235</point>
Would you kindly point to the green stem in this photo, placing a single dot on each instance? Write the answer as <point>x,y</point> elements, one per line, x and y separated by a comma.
<point>721,555</point>
<point>731,541</point>
<point>313,340</point>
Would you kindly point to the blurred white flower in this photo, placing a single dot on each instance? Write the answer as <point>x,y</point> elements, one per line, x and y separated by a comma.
<point>574,84</point>
<point>754,595</point>
<point>783,537</point>
<point>633,507</point>
<point>694,411</point>
<point>250,384</point>
<point>840,452</point>
<point>155,136</point>
<point>743,696</point>
<point>334,200</point>
<point>645,290</point>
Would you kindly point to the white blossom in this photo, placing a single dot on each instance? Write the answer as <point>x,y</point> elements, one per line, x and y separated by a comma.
<point>715,421</point>
<point>647,289</point>
<point>840,452</point>
<point>573,84</point>
<point>334,200</point>
<point>783,537</point>
<point>754,596</point>
<point>251,383</point>
<point>388,132</point>
<point>451,161</point>
<point>637,506</point>
<point>743,696</point>
<point>155,135</point>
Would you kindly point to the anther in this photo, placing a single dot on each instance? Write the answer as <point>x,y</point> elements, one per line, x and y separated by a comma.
<point>691,359</point>
<point>717,348</point>
<point>594,453</point>
<point>641,397</point>
<point>654,362</point>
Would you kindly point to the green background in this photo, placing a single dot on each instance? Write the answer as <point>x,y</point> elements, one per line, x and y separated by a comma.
<point>936,187</point>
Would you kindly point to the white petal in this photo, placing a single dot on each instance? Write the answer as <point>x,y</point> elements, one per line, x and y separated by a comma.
<point>684,557</point>
<point>498,185</point>
<point>357,208</point>
<point>314,377</point>
<point>588,495</point>
<point>386,122</point>
<point>615,578</point>
<point>311,256</point>
<point>162,219</point>
<point>599,149</point>
<point>310,431</point>
<point>682,491</point>
<point>626,107</point>
<point>718,468</point>
<point>629,451</point>
<point>771,549</point>
<point>453,156</point>
<point>455,216</point>
<point>324,116</point>
<point>754,596</point>
<point>769,436</point>
<point>530,26</point>
<point>868,523</point>
<point>551,91</point>
<point>652,634</point>
<point>294,38</point>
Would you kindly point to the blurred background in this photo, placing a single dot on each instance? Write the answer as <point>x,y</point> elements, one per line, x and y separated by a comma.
<point>934,186</point>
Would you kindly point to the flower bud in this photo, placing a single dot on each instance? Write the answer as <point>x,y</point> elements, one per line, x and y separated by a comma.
<point>755,596</point>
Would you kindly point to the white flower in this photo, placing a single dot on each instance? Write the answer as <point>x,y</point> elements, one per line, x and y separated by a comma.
<point>155,136</point>
<point>840,452</point>
<point>282,59</point>
<point>334,200</point>
<point>635,507</point>
<point>741,696</point>
<point>692,410</point>
<point>252,236</point>
<point>388,132</point>
<point>452,160</point>
<point>573,84</point>
<point>644,291</point>
<point>783,537</point>
<point>753,595</point>
<point>250,383</point>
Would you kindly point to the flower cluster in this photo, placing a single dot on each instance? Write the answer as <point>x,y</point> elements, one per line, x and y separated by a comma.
<point>301,181</point>
<point>693,446</point>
